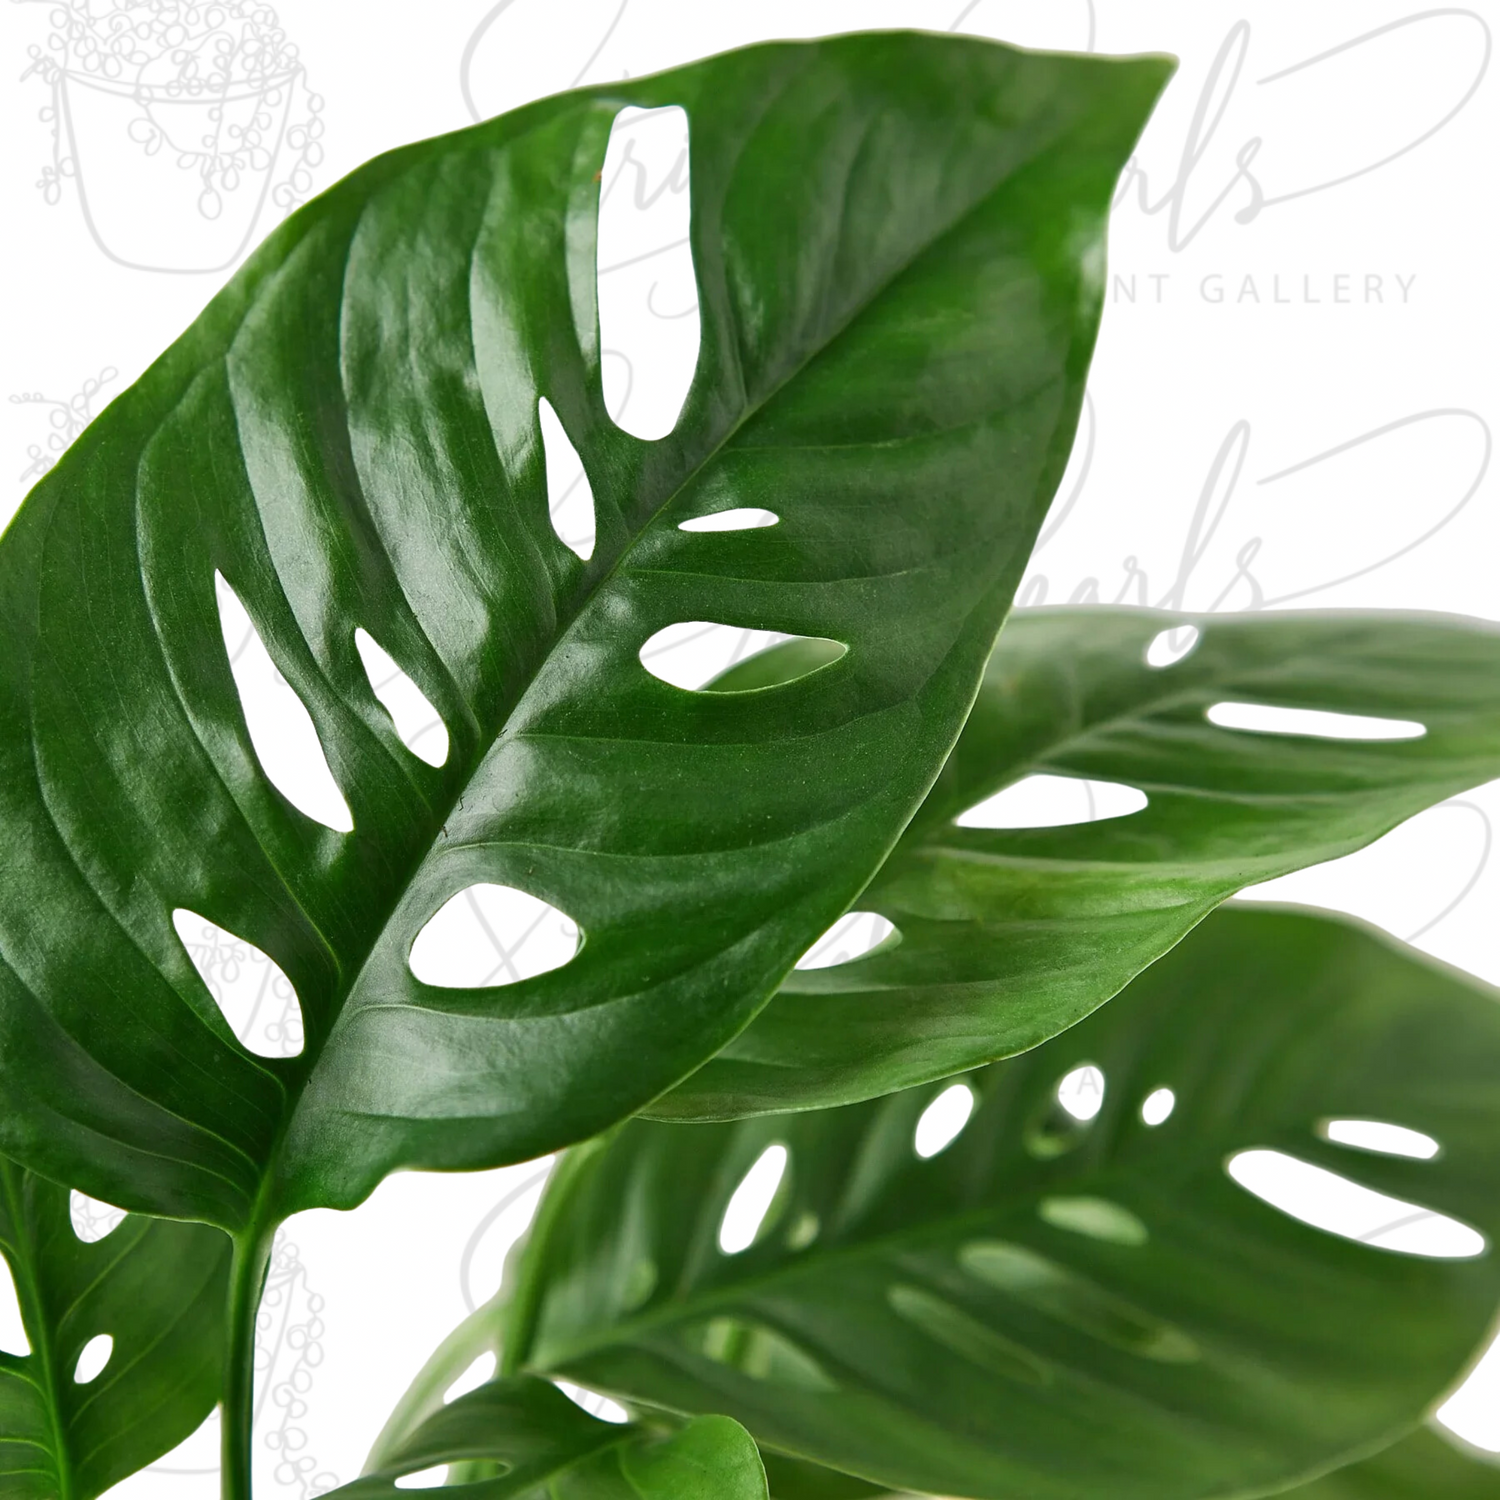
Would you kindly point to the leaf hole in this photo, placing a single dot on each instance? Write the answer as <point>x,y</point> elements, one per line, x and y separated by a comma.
<point>854,935</point>
<point>1095,1218</point>
<point>423,1479</point>
<point>647,291</point>
<point>489,935</point>
<point>703,656</point>
<point>417,722</point>
<point>964,1335</point>
<point>1044,801</point>
<point>570,497</point>
<point>1157,1106</point>
<point>595,1404</point>
<point>1337,1205</point>
<point>1081,1092</point>
<point>750,1204</point>
<point>1380,1136</point>
<point>92,1220</point>
<point>479,1373</point>
<point>743,518</point>
<point>762,1353</point>
<point>282,732</point>
<point>943,1120</point>
<point>1172,645</point>
<point>1063,1294</point>
<point>1314,723</point>
<point>253,994</point>
<point>92,1358</point>
<point>13,1338</point>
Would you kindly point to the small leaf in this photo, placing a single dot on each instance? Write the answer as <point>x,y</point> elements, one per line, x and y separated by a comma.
<point>1009,936</point>
<point>1092,1309</point>
<point>125,1333</point>
<point>525,1438</point>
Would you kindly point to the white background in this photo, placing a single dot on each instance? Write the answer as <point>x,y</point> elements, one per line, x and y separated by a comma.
<point>1290,405</point>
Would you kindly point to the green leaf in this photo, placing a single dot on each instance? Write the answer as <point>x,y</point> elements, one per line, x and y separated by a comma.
<point>1009,936</point>
<point>898,241</point>
<point>156,1289</point>
<point>1428,1465</point>
<point>537,1442</point>
<point>1054,1307</point>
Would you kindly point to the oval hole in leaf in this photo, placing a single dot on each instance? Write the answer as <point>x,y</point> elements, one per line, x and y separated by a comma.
<point>702,656</point>
<point>1044,801</point>
<point>1335,1204</point>
<point>761,1353</point>
<point>1062,1293</point>
<point>751,1201</point>
<point>943,1120</point>
<point>1379,1135</point>
<point>490,935</point>
<point>744,518</point>
<point>965,1336</point>
<point>1158,1106</point>
<point>418,723</point>
<point>423,1479</point>
<point>13,1338</point>
<point>282,732</point>
<point>647,291</point>
<point>253,994</point>
<point>1172,645</point>
<point>855,934</point>
<point>92,1220</point>
<point>1315,723</point>
<point>570,496</point>
<point>479,1373</point>
<point>592,1402</point>
<point>1095,1218</point>
<point>1081,1092</point>
<point>92,1358</point>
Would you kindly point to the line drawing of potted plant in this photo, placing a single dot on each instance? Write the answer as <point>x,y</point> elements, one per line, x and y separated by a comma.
<point>177,121</point>
<point>67,418</point>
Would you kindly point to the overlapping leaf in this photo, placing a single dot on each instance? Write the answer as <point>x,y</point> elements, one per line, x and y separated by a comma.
<point>155,1289</point>
<point>1428,1465</point>
<point>524,1438</point>
<point>1055,1307</point>
<point>1008,936</point>
<point>898,247</point>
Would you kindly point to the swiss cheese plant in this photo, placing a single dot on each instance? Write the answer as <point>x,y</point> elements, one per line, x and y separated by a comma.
<point>898,244</point>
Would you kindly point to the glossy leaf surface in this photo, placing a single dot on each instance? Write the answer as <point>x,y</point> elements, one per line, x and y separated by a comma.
<point>898,243</point>
<point>155,1289</point>
<point>541,1444</point>
<point>1428,1465</point>
<point>1055,1306</point>
<point>1008,936</point>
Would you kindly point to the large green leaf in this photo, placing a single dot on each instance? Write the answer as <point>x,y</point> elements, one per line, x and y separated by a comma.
<point>1428,1465</point>
<point>898,241</point>
<point>1009,936</point>
<point>1051,1308</point>
<point>541,1444</point>
<point>156,1289</point>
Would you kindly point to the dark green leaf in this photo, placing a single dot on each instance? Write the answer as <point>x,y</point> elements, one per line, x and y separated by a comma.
<point>156,1289</point>
<point>1010,936</point>
<point>1428,1465</point>
<point>542,1444</point>
<point>796,1479</point>
<point>1054,1308</point>
<point>898,241</point>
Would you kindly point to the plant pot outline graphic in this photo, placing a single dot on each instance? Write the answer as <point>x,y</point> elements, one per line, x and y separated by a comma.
<point>177,121</point>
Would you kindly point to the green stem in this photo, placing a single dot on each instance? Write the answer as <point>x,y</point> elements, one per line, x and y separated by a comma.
<point>247,1279</point>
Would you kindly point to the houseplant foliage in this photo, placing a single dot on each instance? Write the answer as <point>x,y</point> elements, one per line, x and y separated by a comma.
<point>898,246</point>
